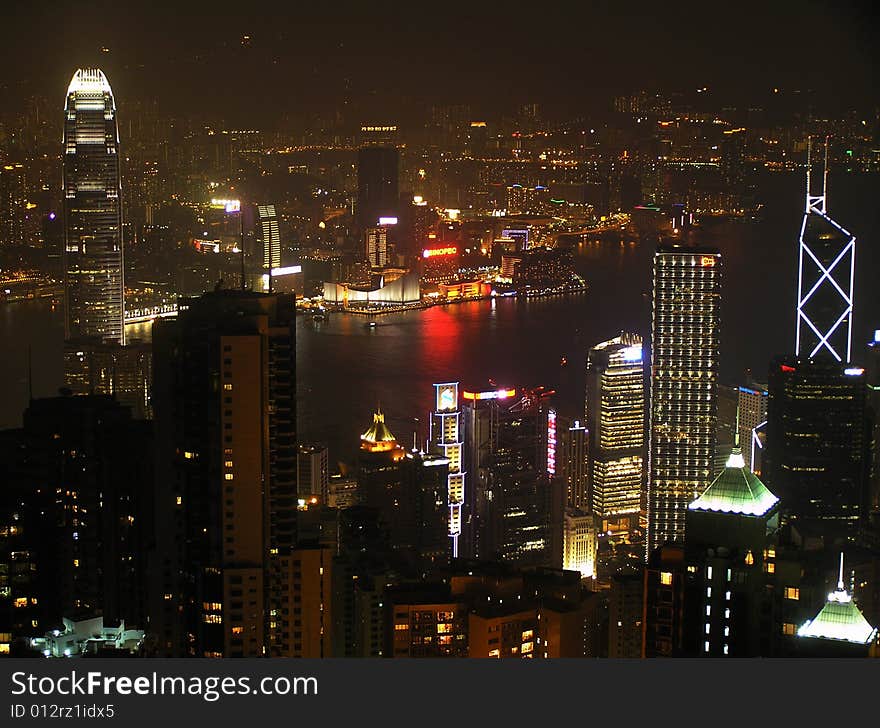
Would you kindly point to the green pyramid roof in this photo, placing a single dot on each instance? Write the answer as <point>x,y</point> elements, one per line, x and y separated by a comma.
<point>839,619</point>
<point>736,490</point>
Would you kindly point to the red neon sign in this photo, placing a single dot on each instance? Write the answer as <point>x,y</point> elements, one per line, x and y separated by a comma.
<point>435,252</point>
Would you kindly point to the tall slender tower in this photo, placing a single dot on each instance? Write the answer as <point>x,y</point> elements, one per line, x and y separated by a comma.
<point>826,271</point>
<point>446,440</point>
<point>684,381</point>
<point>615,412</point>
<point>93,259</point>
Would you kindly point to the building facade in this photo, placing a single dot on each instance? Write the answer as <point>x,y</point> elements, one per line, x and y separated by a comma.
<point>684,378</point>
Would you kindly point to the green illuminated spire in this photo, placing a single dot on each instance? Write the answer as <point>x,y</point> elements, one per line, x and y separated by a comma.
<point>736,490</point>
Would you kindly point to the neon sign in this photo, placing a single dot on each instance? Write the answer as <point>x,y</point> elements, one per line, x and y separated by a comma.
<point>707,261</point>
<point>551,442</point>
<point>436,252</point>
<point>497,394</point>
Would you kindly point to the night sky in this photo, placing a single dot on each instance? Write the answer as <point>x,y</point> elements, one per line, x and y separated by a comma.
<point>387,57</point>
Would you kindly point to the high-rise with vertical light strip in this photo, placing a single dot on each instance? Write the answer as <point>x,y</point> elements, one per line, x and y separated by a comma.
<point>93,249</point>
<point>684,379</point>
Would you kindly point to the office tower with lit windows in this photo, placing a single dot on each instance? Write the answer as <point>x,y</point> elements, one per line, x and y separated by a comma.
<point>480,416</point>
<point>615,419</point>
<point>524,498</point>
<point>573,462</point>
<point>13,206</point>
<point>872,378</point>
<point>817,452</point>
<point>269,233</point>
<point>752,417</point>
<point>684,378</point>
<point>92,366</point>
<point>579,542</point>
<point>376,246</point>
<point>378,195</point>
<point>93,246</point>
<point>445,438</point>
<point>225,416</point>
<point>313,472</point>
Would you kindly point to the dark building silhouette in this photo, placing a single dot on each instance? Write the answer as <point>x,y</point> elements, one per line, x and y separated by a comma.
<point>817,452</point>
<point>75,515</point>
<point>378,196</point>
<point>225,416</point>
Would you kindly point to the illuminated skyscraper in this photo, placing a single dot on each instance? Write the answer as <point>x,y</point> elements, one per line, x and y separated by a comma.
<point>817,451</point>
<point>826,271</point>
<point>752,417</point>
<point>270,236</point>
<point>376,246</point>
<point>684,377</point>
<point>615,411</point>
<point>93,257</point>
<point>446,440</point>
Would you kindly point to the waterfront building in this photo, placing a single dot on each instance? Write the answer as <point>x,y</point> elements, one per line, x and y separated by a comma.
<point>92,196</point>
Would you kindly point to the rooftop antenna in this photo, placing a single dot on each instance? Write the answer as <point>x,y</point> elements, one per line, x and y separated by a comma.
<point>825,178</point>
<point>809,149</point>
<point>241,244</point>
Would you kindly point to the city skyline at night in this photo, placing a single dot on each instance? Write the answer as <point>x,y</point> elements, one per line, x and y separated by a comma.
<point>338,339</point>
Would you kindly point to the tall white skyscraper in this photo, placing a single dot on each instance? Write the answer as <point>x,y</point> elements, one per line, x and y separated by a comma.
<point>93,248</point>
<point>684,380</point>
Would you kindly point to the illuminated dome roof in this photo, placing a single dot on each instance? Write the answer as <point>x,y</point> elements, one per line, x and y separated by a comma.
<point>839,619</point>
<point>736,490</point>
<point>378,437</point>
<point>90,81</point>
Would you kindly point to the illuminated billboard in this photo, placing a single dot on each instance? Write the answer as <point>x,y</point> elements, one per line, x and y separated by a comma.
<point>495,394</point>
<point>227,205</point>
<point>438,252</point>
<point>447,397</point>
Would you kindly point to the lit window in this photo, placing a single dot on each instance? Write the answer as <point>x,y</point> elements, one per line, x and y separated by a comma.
<point>237,630</point>
<point>666,578</point>
<point>792,592</point>
<point>227,387</point>
<point>725,649</point>
<point>401,627</point>
<point>708,572</point>
<point>227,464</point>
<point>179,500</point>
<point>770,567</point>
<point>788,628</point>
<point>229,476</point>
<point>495,653</point>
<point>706,646</point>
